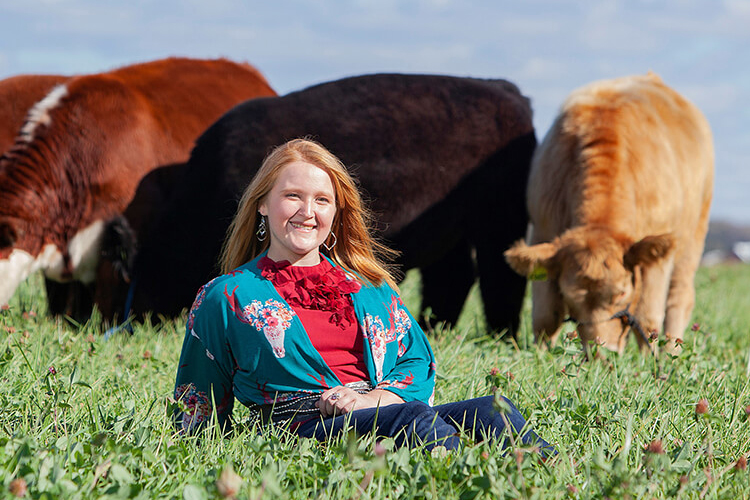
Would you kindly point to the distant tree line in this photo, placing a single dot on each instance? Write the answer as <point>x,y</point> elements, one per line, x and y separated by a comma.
<point>722,235</point>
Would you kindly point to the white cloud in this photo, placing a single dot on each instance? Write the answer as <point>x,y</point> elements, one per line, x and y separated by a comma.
<point>738,7</point>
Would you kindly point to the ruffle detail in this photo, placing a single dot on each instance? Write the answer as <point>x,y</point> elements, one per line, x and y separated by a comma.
<point>322,287</point>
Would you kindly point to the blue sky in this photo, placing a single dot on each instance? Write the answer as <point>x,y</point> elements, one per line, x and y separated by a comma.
<point>547,47</point>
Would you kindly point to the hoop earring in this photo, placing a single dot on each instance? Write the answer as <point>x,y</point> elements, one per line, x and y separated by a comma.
<point>262,232</point>
<point>329,248</point>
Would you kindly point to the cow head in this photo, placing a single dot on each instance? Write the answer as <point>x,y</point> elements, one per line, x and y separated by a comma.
<point>25,249</point>
<point>20,253</point>
<point>114,270</point>
<point>596,274</point>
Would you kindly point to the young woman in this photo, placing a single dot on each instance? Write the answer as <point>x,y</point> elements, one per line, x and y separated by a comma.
<point>306,327</point>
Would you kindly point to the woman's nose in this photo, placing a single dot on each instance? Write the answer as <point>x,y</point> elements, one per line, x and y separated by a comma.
<point>307,208</point>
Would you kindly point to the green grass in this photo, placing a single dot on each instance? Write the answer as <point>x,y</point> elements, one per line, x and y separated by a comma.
<point>81,417</point>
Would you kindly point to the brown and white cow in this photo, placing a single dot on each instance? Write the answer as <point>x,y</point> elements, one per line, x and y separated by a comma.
<point>618,196</point>
<point>84,148</point>
<point>17,95</point>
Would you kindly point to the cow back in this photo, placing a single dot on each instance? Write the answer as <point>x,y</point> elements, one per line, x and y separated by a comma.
<point>17,95</point>
<point>628,154</point>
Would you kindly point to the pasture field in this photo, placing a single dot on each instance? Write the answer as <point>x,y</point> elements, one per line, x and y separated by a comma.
<point>81,417</point>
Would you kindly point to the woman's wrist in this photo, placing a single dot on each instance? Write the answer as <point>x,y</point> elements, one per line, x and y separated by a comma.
<point>340,400</point>
<point>383,397</point>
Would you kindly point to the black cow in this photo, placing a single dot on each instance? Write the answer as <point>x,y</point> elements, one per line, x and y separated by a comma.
<point>443,162</point>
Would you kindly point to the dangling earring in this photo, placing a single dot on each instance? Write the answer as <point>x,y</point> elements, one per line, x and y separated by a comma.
<point>329,248</point>
<point>262,233</point>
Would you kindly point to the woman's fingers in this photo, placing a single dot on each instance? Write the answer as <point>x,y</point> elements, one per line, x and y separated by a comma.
<point>337,400</point>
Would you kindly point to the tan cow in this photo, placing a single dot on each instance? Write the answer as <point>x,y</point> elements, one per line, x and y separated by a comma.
<point>618,195</point>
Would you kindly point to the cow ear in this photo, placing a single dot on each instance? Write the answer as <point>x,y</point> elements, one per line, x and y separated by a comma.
<point>649,250</point>
<point>531,261</point>
<point>8,235</point>
<point>119,246</point>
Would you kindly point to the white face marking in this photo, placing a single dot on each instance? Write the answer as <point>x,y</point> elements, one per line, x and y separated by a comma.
<point>83,249</point>
<point>21,264</point>
<point>51,262</point>
<point>13,271</point>
<point>39,113</point>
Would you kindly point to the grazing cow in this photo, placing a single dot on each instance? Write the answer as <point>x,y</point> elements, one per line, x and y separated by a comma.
<point>84,148</point>
<point>443,162</point>
<point>619,196</point>
<point>17,95</point>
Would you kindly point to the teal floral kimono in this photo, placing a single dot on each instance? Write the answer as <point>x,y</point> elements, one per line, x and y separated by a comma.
<point>244,341</point>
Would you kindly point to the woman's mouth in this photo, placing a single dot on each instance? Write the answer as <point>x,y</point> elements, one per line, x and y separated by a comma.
<point>302,227</point>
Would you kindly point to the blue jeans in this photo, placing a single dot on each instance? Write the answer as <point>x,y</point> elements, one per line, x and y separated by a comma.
<point>416,423</point>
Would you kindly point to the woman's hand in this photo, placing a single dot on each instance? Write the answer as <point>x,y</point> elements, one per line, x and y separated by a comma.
<point>340,400</point>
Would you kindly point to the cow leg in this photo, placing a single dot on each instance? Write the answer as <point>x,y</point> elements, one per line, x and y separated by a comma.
<point>650,308</point>
<point>680,304</point>
<point>681,298</point>
<point>500,219</point>
<point>446,284</point>
<point>503,290</point>
<point>57,297</point>
<point>547,312</point>
<point>73,300</point>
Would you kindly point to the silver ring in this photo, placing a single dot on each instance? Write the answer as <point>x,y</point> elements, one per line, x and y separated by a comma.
<point>335,396</point>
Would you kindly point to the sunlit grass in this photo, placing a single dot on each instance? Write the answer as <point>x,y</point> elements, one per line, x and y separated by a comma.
<point>81,417</point>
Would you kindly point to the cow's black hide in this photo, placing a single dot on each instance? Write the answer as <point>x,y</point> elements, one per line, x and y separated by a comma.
<point>75,300</point>
<point>442,161</point>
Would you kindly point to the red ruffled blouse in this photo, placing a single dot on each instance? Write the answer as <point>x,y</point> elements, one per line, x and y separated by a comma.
<point>320,297</point>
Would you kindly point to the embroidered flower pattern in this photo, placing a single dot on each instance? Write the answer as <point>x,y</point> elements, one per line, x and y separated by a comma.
<point>400,322</point>
<point>197,407</point>
<point>379,336</point>
<point>273,319</point>
<point>376,335</point>
<point>196,304</point>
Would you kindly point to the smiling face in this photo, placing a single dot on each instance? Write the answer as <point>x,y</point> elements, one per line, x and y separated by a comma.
<point>300,209</point>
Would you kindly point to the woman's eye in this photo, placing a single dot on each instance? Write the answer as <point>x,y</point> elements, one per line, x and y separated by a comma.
<point>323,200</point>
